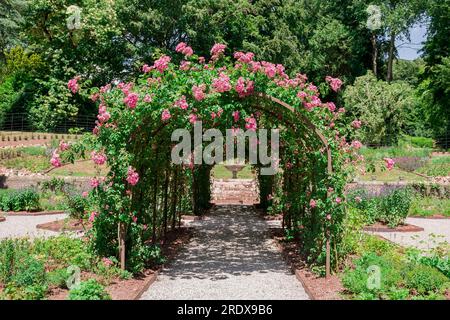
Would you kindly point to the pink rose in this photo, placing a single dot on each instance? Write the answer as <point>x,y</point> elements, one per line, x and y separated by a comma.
<point>389,163</point>
<point>165,115</point>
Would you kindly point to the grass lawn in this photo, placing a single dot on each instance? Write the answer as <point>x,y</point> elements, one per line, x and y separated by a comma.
<point>427,206</point>
<point>436,166</point>
<point>84,168</point>
<point>391,176</point>
<point>220,172</point>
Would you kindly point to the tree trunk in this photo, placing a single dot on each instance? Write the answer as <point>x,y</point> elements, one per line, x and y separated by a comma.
<point>390,57</point>
<point>374,54</point>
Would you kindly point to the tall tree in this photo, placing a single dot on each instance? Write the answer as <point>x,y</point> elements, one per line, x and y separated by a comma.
<point>435,86</point>
<point>10,22</point>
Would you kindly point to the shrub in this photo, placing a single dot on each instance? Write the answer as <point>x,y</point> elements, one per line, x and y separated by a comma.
<point>395,207</point>
<point>410,164</point>
<point>64,251</point>
<point>29,272</point>
<point>54,185</point>
<point>22,274</point>
<point>356,280</point>
<point>425,279</point>
<point>390,206</point>
<point>420,142</point>
<point>58,278</point>
<point>26,199</point>
<point>89,290</point>
<point>35,292</point>
<point>440,263</point>
<point>77,206</point>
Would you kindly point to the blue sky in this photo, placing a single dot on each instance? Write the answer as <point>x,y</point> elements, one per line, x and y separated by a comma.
<point>408,50</point>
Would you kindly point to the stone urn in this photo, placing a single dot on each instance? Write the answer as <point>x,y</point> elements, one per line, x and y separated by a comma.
<point>234,168</point>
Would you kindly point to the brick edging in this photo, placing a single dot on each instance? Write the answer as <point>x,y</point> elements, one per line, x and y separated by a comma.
<point>303,282</point>
<point>2,219</point>
<point>146,286</point>
<point>412,228</point>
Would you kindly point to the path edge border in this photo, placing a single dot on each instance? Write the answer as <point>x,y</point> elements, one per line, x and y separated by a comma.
<point>148,282</point>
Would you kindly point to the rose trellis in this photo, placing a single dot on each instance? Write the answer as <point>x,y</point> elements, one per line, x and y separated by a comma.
<point>143,194</point>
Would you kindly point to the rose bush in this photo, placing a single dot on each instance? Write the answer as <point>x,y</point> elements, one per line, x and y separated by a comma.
<point>144,193</point>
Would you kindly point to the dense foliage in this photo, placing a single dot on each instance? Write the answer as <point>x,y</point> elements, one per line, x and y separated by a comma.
<point>144,191</point>
<point>48,42</point>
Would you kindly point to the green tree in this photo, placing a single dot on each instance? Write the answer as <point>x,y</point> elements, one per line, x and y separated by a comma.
<point>10,22</point>
<point>72,40</point>
<point>436,77</point>
<point>386,110</point>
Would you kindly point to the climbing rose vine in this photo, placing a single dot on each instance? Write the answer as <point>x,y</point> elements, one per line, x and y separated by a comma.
<point>143,193</point>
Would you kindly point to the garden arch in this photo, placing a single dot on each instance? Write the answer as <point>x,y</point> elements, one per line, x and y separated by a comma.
<point>143,192</point>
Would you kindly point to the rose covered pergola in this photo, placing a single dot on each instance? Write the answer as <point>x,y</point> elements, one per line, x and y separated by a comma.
<point>143,194</point>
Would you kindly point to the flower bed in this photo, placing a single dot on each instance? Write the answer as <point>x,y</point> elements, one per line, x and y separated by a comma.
<point>385,271</point>
<point>42,269</point>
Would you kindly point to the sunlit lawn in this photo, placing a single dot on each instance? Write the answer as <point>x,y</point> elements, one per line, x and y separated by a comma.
<point>220,172</point>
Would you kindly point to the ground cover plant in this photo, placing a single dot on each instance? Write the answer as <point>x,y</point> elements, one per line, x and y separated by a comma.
<point>430,206</point>
<point>31,269</point>
<point>390,205</point>
<point>385,271</point>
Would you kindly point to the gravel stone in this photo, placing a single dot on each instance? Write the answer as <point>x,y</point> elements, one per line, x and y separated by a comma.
<point>231,256</point>
<point>25,226</point>
<point>435,231</point>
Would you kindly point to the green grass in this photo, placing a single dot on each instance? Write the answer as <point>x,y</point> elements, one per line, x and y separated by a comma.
<point>390,176</point>
<point>427,206</point>
<point>220,172</point>
<point>374,154</point>
<point>33,150</point>
<point>436,166</point>
<point>33,163</point>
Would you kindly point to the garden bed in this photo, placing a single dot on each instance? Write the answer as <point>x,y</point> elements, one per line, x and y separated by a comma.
<point>118,289</point>
<point>64,225</point>
<point>132,289</point>
<point>380,227</point>
<point>317,288</point>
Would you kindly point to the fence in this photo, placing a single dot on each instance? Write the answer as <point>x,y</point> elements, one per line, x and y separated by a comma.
<point>389,140</point>
<point>20,122</point>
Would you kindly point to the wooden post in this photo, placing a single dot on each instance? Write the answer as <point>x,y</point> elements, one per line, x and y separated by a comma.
<point>166,191</point>
<point>327,260</point>
<point>122,249</point>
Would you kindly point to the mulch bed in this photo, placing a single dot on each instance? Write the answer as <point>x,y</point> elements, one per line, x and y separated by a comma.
<point>132,289</point>
<point>2,219</point>
<point>379,227</point>
<point>317,288</point>
<point>35,213</point>
<point>64,225</point>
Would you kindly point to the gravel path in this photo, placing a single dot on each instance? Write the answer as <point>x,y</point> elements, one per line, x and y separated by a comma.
<point>231,256</point>
<point>25,226</point>
<point>435,232</point>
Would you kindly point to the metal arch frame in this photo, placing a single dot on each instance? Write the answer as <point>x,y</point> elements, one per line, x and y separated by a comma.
<point>321,137</point>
